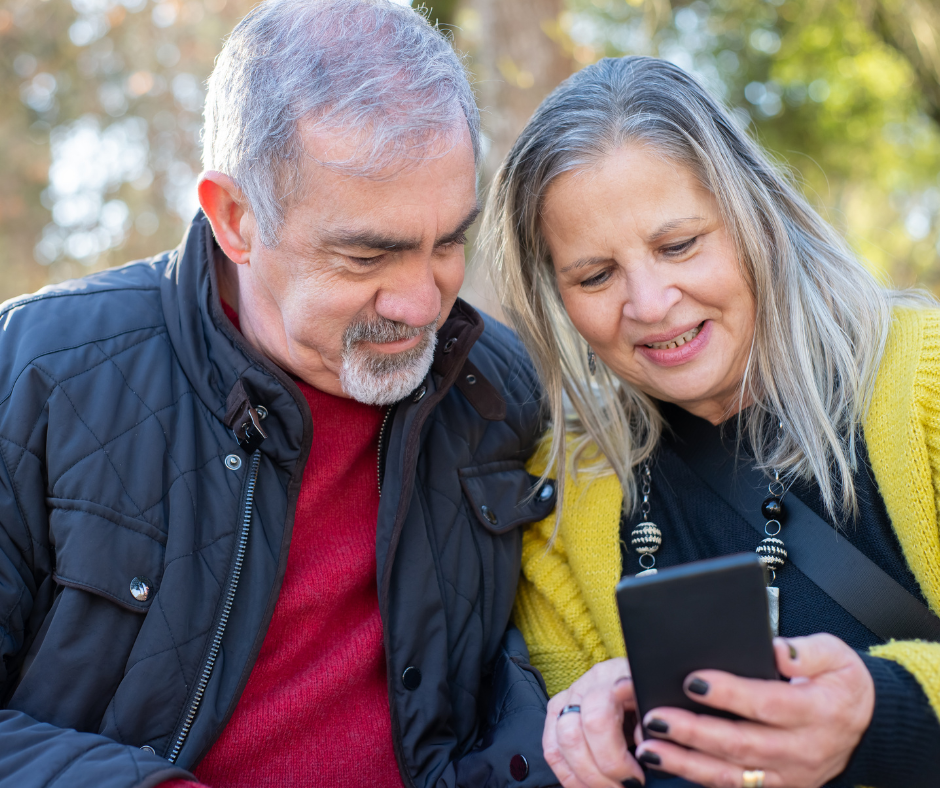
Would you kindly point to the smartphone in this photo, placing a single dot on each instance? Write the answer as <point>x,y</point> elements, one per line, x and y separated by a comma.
<point>700,615</point>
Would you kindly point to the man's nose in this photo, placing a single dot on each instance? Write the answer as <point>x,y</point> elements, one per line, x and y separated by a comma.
<point>650,295</point>
<point>410,295</point>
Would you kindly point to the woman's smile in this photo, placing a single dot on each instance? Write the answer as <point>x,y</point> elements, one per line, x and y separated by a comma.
<point>676,348</point>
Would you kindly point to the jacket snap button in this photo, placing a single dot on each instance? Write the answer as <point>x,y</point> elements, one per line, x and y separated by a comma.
<point>420,393</point>
<point>233,462</point>
<point>411,678</point>
<point>262,412</point>
<point>547,491</point>
<point>471,379</point>
<point>140,588</point>
<point>519,767</point>
<point>449,344</point>
<point>489,514</point>
<point>148,748</point>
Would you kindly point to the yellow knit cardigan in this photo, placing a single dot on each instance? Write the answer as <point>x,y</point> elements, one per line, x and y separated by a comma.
<point>565,605</point>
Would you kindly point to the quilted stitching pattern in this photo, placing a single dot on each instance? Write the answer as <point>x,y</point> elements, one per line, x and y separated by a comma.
<point>106,430</point>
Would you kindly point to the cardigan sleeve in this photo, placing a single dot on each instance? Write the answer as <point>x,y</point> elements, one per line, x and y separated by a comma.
<point>901,748</point>
<point>902,432</point>
<point>551,613</point>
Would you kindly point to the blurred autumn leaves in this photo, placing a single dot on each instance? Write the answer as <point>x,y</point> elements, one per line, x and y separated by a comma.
<point>100,114</point>
<point>100,109</point>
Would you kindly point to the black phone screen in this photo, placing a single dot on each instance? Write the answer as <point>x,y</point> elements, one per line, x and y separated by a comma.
<point>709,614</point>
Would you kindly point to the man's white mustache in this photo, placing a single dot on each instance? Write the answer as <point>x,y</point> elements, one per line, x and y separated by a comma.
<point>381,330</point>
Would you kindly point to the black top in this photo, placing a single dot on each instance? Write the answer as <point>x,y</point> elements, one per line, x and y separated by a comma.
<point>902,745</point>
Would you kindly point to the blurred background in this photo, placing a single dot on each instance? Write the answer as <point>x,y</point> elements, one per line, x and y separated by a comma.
<point>101,102</point>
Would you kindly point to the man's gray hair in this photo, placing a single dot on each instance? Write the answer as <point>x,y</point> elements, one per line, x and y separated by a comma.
<point>374,69</point>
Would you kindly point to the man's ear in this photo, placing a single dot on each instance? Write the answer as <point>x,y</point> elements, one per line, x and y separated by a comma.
<point>225,207</point>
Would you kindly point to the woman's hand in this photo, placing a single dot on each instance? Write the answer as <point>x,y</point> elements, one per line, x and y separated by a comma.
<point>800,734</point>
<point>586,748</point>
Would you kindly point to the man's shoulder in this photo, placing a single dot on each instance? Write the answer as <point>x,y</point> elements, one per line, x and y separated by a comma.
<point>87,301</point>
<point>81,312</point>
<point>503,349</point>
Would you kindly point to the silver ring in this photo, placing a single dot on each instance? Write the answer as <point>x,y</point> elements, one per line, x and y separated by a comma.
<point>573,708</point>
<point>752,778</point>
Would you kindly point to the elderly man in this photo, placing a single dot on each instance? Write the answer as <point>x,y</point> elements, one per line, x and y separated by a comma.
<point>260,496</point>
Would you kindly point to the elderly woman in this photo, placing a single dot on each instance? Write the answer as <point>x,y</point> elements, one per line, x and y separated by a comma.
<point>676,292</point>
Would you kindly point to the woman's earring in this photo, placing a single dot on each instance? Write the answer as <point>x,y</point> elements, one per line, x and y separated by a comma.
<point>592,360</point>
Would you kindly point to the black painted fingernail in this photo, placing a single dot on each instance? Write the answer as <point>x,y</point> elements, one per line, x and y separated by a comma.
<point>698,687</point>
<point>657,726</point>
<point>650,758</point>
<point>632,782</point>
<point>793,654</point>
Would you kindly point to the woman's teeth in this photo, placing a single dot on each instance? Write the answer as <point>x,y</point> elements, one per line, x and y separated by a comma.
<point>679,341</point>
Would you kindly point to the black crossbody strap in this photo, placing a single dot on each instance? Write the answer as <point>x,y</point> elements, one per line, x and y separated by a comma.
<point>826,557</point>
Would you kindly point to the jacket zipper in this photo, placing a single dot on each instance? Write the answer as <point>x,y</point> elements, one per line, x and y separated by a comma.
<point>226,608</point>
<point>378,459</point>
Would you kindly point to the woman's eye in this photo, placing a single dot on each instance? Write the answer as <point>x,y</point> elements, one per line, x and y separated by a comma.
<point>677,249</point>
<point>597,279</point>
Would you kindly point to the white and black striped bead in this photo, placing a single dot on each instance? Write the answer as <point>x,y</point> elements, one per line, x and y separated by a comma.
<point>772,552</point>
<point>646,538</point>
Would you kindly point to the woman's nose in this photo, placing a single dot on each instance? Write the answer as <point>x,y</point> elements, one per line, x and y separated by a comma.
<point>650,296</point>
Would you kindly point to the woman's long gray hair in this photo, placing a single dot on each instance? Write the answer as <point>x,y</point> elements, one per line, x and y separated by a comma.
<point>822,318</point>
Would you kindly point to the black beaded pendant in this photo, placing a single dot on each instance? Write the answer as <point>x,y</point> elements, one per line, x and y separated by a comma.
<point>772,508</point>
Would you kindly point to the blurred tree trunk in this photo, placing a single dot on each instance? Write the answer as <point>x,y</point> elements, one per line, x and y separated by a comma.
<point>519,55</point>
<point>913,28</point>
<point>520,59</point>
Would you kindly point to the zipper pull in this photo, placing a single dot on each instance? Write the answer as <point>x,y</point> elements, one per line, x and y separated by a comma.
<point>244,420</point>
<point>249,433</point>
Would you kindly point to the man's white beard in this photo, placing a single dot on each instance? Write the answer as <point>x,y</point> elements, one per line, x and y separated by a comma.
<point>383,378</point>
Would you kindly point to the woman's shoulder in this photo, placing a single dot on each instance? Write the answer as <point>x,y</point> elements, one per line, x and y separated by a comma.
<point>911,356</point>
<point>902,434</point>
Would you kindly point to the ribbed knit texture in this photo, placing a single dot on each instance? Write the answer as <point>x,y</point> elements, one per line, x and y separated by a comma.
<point>315,711</point>
<point>903,434</point>
<point>564,605</point>
<point>566,608</point>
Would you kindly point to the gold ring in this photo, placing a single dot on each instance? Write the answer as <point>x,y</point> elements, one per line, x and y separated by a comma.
<point>752,779</point>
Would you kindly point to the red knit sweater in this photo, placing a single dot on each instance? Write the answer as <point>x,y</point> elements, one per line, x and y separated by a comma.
<point>315,709</point>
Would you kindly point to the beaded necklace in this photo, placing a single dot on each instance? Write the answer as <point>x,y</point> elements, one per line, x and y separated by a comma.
<point>646,538</point>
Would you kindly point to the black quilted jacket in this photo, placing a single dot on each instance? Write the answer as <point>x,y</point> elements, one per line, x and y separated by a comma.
<point>142,547</point>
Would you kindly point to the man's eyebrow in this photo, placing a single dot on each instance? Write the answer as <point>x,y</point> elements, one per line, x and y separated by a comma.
<point>457,234</point>
<point>365,239</point>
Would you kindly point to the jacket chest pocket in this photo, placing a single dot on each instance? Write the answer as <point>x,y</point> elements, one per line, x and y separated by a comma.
<point>503,495</point>
<point>106,553</point>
